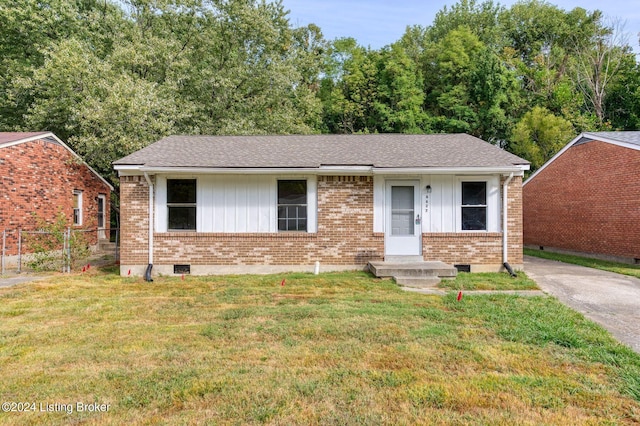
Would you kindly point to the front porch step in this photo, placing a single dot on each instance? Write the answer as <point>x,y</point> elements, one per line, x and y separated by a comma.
<point>413,274</point>
<point>403,259</point>
<point>412,269</point>
<point>417,282</point>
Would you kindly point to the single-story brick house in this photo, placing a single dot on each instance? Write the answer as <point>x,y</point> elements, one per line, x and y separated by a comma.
<point>586,199</point>
<point>41,175</point>
<point>224,204</point>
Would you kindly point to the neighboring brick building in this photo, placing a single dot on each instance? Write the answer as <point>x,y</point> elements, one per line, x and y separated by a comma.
<point>282,203</point>
<point>41,176</point>
<point>586,199</point>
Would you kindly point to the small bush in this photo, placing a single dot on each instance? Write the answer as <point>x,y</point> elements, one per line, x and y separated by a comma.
<point>47,245</point>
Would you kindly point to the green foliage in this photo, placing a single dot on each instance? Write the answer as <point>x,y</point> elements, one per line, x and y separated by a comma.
<point>539,135</point>
<point>110,77</point>
<point>46,245</point>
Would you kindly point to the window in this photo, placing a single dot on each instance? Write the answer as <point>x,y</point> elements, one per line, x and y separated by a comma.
<point>292,205</point>
<point>77,208</point>
<point>474,206</point>
<point>181,204</point>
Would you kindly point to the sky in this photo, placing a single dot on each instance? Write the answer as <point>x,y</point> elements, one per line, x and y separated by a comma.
<point>377,23</point>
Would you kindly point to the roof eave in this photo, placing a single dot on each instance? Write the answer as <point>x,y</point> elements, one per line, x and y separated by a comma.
<point>133,170</point>
<point>596,137</point>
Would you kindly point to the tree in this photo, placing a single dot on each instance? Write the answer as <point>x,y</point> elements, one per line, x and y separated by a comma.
<point>598,63</point>
<point>104,113</point>
<point>29,29</point>
<point>244,74</point>
<point>400,93</point>
<point>539,135</point>
<point>350,88</point>
<point>541,40</point>
<point>622,104</point>
<point>482,19</point>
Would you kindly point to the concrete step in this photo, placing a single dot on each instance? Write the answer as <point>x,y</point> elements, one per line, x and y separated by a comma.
<point>412,269</point>
<point>417,282</point>
<point>107,246</point>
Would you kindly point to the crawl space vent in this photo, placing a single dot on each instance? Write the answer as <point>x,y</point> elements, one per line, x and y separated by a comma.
<point>181,269</point>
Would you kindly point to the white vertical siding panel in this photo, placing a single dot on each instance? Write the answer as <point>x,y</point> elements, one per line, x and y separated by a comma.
<point>161,212</point>
<point>435,202</point>
<point>253,206</point>
<point>493,204</point>
<point>217,204</point>
<point>204,203</point>
<point>264,205</point>
<point>272,202</point>
<point>229,204</point>
<point>378,203</point>
<point>242,193</point>
<point>449,194</point>
<point>312,204</point>
<point>425,205</point>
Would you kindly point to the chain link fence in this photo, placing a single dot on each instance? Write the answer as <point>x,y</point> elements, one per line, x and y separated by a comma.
<point>64,251</point>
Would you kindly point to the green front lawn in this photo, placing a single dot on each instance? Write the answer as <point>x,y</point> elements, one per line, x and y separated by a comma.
<point>605,265</point>
<point>330,349</point>
<point>490,281</point>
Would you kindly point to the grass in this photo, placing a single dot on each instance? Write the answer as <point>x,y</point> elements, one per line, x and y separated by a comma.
<point>340,348</point>
<point>489,281</point>
<point>605,265</point>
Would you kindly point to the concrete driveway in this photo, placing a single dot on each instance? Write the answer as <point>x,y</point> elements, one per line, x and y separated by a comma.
<point>611,300</point>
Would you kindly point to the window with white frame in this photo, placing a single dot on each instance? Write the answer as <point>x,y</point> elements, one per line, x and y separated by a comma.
<point>292,205</point>
<point>474,206</point>
<point>181,204</point>
<point>77,208</point>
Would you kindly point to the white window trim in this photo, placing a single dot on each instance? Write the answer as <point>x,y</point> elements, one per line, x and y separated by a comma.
<point>165,224</point>
<point>493,202</point>
<point>312,203</point>
<point>80,215</point>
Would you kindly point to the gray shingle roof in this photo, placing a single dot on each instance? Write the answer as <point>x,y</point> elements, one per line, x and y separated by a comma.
<point>313,151</point>
<point>626,137</point>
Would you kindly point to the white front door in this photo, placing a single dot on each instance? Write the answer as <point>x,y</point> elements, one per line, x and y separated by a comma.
<point>403,229</point>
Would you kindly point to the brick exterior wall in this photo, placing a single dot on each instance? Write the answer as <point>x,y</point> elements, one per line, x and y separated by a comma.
<point>134,220</point>
<point>345,234</point>
<point>515,221</point>
<point>40,177</point>
<point>587,200</point>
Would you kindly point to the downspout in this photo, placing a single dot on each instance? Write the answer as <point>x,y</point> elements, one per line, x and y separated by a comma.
<point>505,251</point>
<point>147,274</point>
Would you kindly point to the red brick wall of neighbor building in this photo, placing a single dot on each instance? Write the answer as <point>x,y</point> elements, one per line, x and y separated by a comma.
<point>587,200</point>
<point>345,234</point>
<point>40,177</point>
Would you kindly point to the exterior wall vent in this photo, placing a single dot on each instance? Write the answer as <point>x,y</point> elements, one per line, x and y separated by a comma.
<point>463,268</point>
<point>182,269</point>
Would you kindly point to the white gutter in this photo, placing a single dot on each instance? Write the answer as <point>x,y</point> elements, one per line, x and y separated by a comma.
<point>516,169</point>
<point>146,176</point>
<point>505,200</point>
<point>130,170</point>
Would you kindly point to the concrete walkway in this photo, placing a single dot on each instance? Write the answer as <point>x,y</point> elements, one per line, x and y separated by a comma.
<point>10,281</point>
<point>611,300</point>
